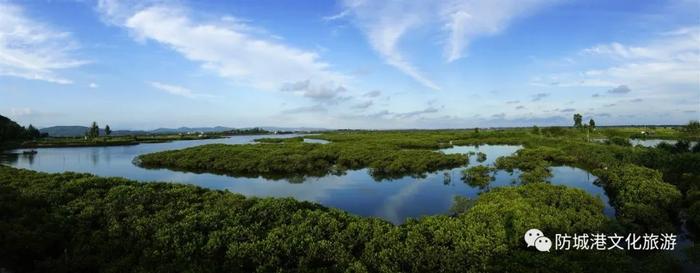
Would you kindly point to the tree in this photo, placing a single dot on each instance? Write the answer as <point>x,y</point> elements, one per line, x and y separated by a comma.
<point>108,131</point>
<point>693,126</point>
<point>10,130</point>
<point>577,120</point>
<point>94,130</point>
<point>591,124</point>
<point>535,130</point>
<point>476,130</point>
<point>33,132</point>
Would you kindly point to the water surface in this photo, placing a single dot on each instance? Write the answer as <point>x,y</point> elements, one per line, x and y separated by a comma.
<point>355,191</point>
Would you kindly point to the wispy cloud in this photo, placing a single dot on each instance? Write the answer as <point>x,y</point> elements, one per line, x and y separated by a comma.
<point>622,89</point>
<point>177,90</point>
<point>363,105</point>
<point>330,93</point>
<point>21,112</point>
<point>661,70</point>
<point>317,108</point>
<point>428,110</point>
<point>372,94</point>
<point>668,60</point>
<point>539,96</point>
<point>465,20</point>
<point>385,23</point>
<point>229,47</point>
<point>337,16</point>
<point>32,49</point>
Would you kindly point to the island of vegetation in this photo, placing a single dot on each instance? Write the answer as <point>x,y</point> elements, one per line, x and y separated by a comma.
<point>478,176</point>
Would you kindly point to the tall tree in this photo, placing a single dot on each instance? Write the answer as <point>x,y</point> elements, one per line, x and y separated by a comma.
<point>108,131</point>
<point>33,132</point>
<point>577,120</point>
<point>591,124</point>
<point>94,130</point>
<point>693,126</point>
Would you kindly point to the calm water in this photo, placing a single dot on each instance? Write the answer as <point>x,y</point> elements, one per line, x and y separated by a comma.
<point>356,191</point>
<point>654,142</point>
<point>648,142</point>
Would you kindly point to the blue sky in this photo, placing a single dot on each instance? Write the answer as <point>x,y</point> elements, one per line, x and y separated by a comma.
<point>349,64</point>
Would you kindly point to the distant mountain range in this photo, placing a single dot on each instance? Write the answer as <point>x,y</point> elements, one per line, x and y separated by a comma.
<point>73,131</point>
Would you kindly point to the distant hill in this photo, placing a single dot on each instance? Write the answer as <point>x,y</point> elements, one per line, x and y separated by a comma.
<point>10,130</point>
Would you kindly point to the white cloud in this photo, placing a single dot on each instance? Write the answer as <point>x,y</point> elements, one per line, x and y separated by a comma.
<point>337,16</point>
<point>306,109</point>
<point>176,90</point>
<point>428,110</point>
<point>386,22</point>
<point>229,47</point>
<point>664,64</point>
<point>31,49</point>
<point>21,112</point>
<point>662,73</point>
<point>539,96</point>
<point>363,105</point>
<point>622,89</point>
<point>372,94</point>
<point>325,93</point>
<point>465,20</point>
<point>93,85</point>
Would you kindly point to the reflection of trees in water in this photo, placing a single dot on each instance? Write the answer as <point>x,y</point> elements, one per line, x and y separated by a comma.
<point>446,178</point>
<point>480,157</point>
<point>107,157</point>
<point>297,179</point>
<point>94,156</point>
<point>30,158</point>
<point>9,158</point>
<point>13,158</point>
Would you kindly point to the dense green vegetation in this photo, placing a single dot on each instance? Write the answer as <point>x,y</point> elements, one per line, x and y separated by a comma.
<point>11,132</point>
<point>478,176</point>
<point>292,157</point>
<point>641,197</point>
<point>280,140</point>
<point>81,223</point>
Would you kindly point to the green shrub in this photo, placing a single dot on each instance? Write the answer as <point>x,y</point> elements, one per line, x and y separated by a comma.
<point>477,176</point>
